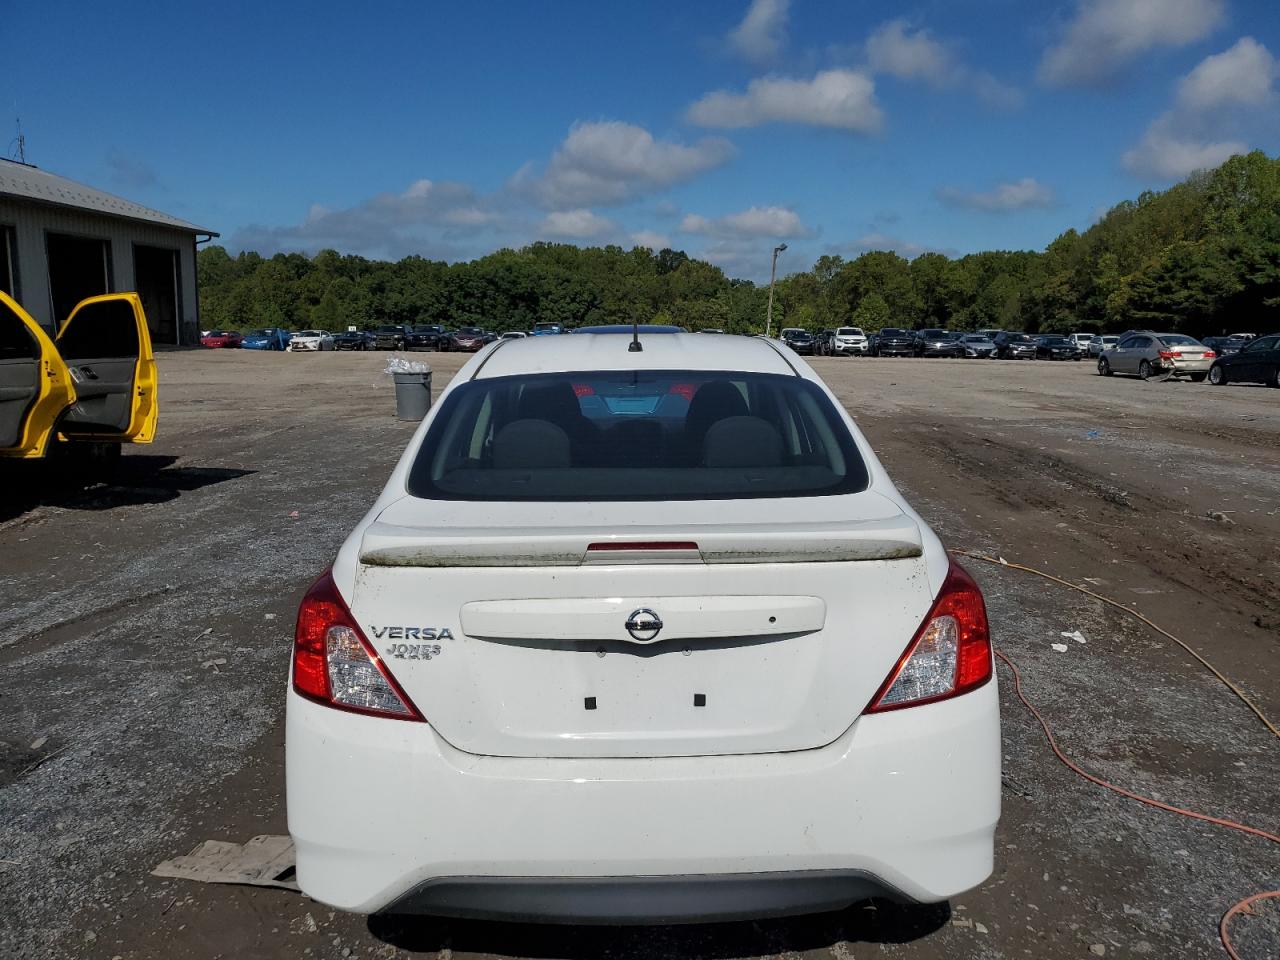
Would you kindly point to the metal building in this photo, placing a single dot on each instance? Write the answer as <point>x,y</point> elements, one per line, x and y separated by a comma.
<point>61,241</point>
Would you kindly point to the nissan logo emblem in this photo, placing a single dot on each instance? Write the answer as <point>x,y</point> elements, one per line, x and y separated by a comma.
<point>643,625</point>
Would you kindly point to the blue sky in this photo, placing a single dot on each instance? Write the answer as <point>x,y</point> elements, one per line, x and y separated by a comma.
<point>720,128</point>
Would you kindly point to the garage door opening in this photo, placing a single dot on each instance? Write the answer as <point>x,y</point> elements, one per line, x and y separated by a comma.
<point>8,269</point>
<point>157,278</point>
<point>79,267</point>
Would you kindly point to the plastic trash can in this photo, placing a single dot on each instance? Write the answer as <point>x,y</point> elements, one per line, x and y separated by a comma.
<point>413,395</point>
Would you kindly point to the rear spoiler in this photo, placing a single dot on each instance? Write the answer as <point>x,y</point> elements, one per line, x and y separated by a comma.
<point>389,545</point>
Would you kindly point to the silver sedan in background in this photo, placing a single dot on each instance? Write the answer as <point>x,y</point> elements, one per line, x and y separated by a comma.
<point>976,345</point>
<point>1147,354</point>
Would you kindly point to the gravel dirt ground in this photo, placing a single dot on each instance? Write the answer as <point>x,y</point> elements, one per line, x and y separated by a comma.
<point>145,630</point>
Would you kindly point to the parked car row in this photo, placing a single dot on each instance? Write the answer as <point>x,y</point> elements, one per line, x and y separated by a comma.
<point>386,337</point>
<point>933,342</point>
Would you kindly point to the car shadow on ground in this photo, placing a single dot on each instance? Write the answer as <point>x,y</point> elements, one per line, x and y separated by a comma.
<point>139,479</point>
<point>869,921</point>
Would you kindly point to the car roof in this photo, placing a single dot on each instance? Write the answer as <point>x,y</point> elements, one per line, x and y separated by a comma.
<point>667,351</point>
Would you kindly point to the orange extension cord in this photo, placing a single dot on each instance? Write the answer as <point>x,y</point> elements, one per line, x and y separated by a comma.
<point>1242,907</point>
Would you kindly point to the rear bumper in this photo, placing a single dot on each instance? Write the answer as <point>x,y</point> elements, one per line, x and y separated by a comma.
<point>617,900</point>
<point>385,815</point>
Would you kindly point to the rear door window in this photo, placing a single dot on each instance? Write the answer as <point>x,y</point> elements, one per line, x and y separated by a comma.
<point>637,435</point>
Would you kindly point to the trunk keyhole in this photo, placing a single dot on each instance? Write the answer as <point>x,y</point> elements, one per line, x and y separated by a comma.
<point>773,619</point>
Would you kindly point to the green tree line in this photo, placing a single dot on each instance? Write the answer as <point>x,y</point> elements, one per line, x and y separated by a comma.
<point>1202,257</point>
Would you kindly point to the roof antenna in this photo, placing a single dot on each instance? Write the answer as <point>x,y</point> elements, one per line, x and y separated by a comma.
<point>19,152</point>
<point>635,346</point>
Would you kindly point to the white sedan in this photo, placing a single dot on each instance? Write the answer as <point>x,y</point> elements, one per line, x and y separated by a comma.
<point>311,340</point>
<point>635,637</point>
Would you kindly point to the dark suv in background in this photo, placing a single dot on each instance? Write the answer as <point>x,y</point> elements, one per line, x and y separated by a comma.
<point>936,343</point>
<point>893,342</point>
<point>1015,346</point>
<point>425,336</point>
<point>801,341</point>
<point>390,336</point>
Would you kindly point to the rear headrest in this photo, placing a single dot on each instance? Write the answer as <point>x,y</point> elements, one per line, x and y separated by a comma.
<point>715,400</point>
<point>742,442</point>
<point>530,445</point>
<point>553,401</point>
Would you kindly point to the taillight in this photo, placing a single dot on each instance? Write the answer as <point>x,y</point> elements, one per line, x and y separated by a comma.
<point>1167,354</point>
<point>686,390</point>
<point>334,664</point>
<point>950,653</point>
<point>583,390</point>
<point>1209,355</point>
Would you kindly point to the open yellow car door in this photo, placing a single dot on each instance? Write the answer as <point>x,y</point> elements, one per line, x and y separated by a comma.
<point>35,385</point>
<point>107,350</point>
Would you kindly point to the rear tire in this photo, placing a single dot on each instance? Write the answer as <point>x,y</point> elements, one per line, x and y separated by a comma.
<point>1104,368</point>
<point>1274,379</point>
<point>1144,370</point>
<point>1218,375</point>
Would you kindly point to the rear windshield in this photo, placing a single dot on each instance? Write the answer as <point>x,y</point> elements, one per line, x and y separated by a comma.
<point>637,435</point>
<point>1178,340</point>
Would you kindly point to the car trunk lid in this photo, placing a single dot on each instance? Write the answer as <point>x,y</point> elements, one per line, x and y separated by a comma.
<point>517,639</point>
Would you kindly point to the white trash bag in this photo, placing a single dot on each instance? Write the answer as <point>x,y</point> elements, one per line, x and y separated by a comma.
<point>405,365</point>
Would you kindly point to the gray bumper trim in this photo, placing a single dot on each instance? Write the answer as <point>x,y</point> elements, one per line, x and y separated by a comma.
<point>693,898</point>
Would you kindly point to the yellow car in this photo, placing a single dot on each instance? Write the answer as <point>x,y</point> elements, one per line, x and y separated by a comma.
<point>95,384</point>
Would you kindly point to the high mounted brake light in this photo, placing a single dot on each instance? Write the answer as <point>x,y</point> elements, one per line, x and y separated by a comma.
<point>334,663</point>
<point>950,653</point>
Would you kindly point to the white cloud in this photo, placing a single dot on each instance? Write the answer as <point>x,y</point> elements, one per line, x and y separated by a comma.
<point>1024,194</point>
<point>762,32</point>
<point>892,49</point>
<point>428,216</point>
<point>774,222</point>
<point>844,99</point>
<point>1193,134</point>
<point>579,224</point>
<point>895,49</point>
<point>1240,75</point>
<point>652,239</point>
<point>1170,155</point>
<point>610,162</point>
<point>1106,35</point>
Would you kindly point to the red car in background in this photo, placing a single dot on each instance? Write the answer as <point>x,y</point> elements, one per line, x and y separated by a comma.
<point>468,340</point>
<point>221,338</point>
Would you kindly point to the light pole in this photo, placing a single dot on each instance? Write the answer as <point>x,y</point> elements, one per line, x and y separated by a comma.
<point>773,272</point>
